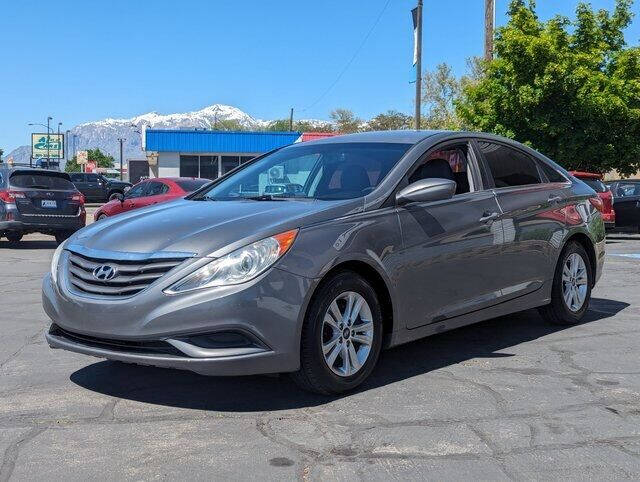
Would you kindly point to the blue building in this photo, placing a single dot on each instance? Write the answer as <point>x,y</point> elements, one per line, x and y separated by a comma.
<point>200,153</point>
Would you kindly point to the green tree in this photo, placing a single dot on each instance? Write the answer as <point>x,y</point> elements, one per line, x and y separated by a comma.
<point>570,88</point>
<point>94,155</point>
<point>282,125</point>
<point>345,121</point>
<point>440,90</point>
<point>390,120</point>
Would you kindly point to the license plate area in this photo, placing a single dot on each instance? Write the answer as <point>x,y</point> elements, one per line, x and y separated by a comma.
<point>49,203</point>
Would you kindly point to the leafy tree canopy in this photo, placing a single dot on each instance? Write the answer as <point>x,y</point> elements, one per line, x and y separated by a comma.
<point>390,120</point>
<point>345,121</point>
<point>94,155</point>
<point>569,88</point>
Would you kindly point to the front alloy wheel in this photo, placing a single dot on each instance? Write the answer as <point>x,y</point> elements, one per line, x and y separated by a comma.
<point>347,334</point>
<point>341,335</point>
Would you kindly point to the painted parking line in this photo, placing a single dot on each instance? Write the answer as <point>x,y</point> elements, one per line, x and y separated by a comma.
<point>627,255</point>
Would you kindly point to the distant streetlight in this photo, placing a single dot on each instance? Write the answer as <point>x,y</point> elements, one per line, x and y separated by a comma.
<point>59,124</point>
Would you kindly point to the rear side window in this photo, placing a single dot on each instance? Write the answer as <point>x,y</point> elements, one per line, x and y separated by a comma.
<point>190,185</point>
<point>509,167</point>
<point>40,181</point>
<point>551,173</point>
<point>627,189</point>
<point>596,184</point>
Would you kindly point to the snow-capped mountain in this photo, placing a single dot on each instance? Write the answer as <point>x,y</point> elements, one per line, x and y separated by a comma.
<point>104,134</point>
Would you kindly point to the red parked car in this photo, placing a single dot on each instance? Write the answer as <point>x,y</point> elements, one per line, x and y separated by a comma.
<point>594,181</point>
<point>150,191</point>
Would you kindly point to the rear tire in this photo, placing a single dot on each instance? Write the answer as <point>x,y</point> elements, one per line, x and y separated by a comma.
<point>571,291</point>
<point>14,238</point>
<point>101,217</point>
<point>326,374</point>
<point>62,236</point>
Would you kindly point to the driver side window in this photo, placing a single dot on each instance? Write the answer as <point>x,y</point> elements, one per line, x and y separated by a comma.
<point>451,162</point>
<point>138,190</point>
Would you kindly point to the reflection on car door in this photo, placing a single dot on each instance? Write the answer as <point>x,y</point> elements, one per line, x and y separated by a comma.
<point>451,248</point>
<point>534,215</point>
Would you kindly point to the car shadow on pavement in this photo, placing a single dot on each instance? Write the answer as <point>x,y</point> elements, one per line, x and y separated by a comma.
<point>29,244</point>
<point>175,388</point>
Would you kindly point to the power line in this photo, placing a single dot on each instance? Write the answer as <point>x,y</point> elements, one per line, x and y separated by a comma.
<point>346,67</point>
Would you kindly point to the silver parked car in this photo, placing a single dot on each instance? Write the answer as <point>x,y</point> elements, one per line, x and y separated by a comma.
<point>394,236</point>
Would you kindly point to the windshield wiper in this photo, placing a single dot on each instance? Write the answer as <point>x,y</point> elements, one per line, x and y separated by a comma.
<point>265,197</point>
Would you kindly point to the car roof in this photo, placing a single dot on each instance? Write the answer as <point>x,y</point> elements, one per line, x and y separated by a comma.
<point>398,136</point>
<point>31,170</point>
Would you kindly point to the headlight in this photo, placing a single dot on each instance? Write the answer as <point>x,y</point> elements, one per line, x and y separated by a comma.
<point>55,261</point>
<point>239,266</point>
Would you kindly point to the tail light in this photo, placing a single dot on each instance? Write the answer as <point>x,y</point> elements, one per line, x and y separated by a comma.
<point>79,198</point>
<point>597,203</point>
<point>10,196</point>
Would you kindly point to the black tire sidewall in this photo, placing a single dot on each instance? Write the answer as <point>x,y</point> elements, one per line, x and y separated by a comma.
<point>312,334</point>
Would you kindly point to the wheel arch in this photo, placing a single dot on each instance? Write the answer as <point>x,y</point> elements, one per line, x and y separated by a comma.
<point>586,242</point>
<point>372,276</point>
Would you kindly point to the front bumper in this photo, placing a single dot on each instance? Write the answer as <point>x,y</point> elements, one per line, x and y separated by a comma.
<point>268,310</point>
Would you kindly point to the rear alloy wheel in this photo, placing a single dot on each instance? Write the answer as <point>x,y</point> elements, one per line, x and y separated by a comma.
<point>341,336</point>
<point>14,238</point>
<point>571,291</point>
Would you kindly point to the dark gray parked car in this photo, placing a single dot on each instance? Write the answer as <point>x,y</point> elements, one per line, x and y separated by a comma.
<point>393,237</point>
<point>97,188</point>
<point>39,201</point>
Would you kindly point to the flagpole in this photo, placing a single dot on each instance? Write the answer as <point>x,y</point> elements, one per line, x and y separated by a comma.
<point>417,19</point>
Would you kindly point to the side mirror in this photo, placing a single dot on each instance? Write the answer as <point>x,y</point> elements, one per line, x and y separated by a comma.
<point>425,190</point>
<point>119,197</point>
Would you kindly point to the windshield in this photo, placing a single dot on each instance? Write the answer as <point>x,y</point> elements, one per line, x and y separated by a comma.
<point>41,181</point>
<point>316,171</point>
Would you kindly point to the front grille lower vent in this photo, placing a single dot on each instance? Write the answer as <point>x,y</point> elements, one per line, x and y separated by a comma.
<point>119,278</point>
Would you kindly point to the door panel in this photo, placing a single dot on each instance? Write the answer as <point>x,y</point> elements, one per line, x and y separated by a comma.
<point>534,223</point>
<point>451,259</point>
<point>627,211</point>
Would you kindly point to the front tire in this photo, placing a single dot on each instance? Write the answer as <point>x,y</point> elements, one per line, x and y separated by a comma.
<point>571,291</point>
<point>341,336</point>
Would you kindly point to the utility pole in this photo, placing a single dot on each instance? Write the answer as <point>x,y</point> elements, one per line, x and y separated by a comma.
<point>291,120</point>
<point>489,25</point>
<point>49,118</point>
<point>58,159</point>
<point>418,60</point>
<point>121,140</point>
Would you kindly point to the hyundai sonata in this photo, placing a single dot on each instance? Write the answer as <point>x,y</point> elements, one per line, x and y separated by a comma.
<point>392,236</point>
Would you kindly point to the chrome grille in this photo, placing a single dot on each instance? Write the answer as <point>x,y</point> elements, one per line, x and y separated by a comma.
<point>131,275</point>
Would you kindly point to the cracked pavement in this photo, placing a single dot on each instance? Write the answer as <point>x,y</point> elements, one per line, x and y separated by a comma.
<point>511,398</point>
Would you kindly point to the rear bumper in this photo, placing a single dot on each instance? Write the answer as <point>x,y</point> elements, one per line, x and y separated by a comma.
<point>43,223</point>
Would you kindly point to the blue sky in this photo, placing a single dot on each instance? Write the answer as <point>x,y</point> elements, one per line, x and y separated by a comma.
<point>86,60</point>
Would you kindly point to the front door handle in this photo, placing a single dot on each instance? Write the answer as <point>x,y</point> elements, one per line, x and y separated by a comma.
<point>488,216</point>
<point>554,199</point>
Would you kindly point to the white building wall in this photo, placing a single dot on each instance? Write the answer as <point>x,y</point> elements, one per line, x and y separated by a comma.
<point>168,164</point>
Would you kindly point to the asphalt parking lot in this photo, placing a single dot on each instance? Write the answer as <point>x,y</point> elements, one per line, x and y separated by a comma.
<point>510,398</point>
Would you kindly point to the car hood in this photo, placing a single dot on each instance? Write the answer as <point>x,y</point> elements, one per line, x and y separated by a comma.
<point>205,228</point>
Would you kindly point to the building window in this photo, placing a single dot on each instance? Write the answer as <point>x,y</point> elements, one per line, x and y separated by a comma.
<point>209,167</point>
<point>229,162</point>
<point>189,166</point>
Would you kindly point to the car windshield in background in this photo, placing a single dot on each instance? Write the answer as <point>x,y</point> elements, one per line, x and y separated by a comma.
<point>40,181</point>
<point>324,171</point>
<point>596,184</point>
<point>190,185</point>
<point>627,189</point>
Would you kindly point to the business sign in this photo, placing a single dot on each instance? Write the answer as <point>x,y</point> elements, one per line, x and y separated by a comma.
<point>51,146</point>
<point>82,157</point>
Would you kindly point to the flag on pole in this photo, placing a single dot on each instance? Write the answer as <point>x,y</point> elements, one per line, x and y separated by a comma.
<point>414,16</point>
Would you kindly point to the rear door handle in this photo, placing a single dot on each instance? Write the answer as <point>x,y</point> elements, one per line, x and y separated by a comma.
<point>488,216</point>
<point>554,199</point>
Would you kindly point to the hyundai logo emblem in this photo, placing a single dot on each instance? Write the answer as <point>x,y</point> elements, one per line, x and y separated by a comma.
<point>104,272</point>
